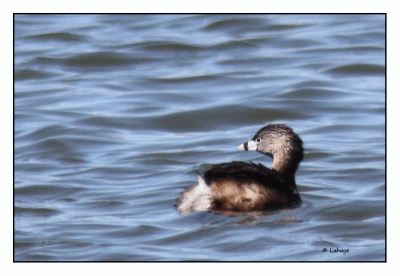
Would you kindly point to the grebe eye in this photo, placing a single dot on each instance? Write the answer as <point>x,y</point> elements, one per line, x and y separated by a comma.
<point>258,140</point>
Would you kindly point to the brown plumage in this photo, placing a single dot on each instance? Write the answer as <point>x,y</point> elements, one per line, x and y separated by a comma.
<point>244,187</point>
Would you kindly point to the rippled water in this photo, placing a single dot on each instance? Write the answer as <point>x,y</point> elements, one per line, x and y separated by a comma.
<point>115,114</point>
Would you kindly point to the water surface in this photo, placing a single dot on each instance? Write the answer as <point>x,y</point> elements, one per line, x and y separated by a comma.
<point>115,114</point>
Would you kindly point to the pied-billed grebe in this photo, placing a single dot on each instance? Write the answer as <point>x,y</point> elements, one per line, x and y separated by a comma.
<point>244,187</point>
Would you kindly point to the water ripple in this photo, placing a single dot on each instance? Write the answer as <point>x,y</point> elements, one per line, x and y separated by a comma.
<point>358,70</point>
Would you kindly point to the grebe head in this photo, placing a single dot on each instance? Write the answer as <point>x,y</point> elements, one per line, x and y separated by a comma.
<point>279,142</point>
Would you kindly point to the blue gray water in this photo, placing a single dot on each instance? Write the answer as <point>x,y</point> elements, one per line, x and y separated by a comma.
<point>115,114</point>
